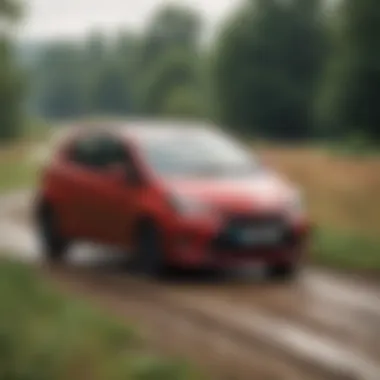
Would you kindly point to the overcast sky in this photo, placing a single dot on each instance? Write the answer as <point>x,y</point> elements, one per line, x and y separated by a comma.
<point>72,18</point>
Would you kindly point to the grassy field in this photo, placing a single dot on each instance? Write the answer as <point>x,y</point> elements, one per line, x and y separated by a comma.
<point>47,336</point>
<point>17,168</point>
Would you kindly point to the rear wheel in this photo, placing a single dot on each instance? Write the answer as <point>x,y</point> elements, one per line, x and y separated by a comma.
<point>149,257</point>
<point>54,245</point>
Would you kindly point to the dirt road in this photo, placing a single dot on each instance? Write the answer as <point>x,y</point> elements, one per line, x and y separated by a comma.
<point>323,326</point>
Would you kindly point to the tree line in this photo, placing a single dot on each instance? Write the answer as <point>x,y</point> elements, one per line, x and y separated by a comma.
<point>10,78</point>
<point>285,70</point>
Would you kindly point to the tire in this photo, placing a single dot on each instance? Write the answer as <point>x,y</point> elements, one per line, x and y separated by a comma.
<point>149,257</point>
<point>54,245</point>
<point>283,272</point>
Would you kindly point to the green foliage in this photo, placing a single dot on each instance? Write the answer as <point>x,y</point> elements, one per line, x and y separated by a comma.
<point>10,10</point>
<point>174,70</point>
<point>349,97</point>
<point>17,170</point>
<point>61,77</point>
<point>124,75</point>
<point>355,144</point>
<point>168,61</point>
<point>71,80</point>
<point>267,62</point>
<point>285,70</point>
<point>45,336</point>
<point>172,27</point>
<point>109,94</point>
<point>10,78</point>
<point>183,102</point>
<point>346,250</point>
<point>11,91</point>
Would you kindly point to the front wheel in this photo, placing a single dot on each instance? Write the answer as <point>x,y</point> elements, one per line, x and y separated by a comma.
<point>283,271</point>
<point>149,256</point>
<point>54,245</point>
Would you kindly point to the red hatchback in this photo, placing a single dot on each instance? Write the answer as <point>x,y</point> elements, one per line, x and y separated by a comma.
<point>174,195</point>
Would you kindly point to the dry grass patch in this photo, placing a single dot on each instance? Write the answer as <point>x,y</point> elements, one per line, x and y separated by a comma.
<point>343,196</point>
<point>341,192</point>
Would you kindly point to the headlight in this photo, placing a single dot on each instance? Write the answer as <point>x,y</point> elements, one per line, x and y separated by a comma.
<point>188,206</point>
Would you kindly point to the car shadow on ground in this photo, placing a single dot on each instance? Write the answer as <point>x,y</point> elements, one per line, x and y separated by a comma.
<point>107,261</point>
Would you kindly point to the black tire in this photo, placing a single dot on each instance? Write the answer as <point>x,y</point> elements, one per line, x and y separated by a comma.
<point>283,272</point>
<point>149,256</point>
<point>54,245</point>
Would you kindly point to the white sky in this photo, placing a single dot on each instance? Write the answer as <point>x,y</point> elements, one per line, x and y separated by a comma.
<point>75,18</point>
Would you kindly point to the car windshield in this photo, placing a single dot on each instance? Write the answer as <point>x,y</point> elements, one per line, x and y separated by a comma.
<point>197,153</point>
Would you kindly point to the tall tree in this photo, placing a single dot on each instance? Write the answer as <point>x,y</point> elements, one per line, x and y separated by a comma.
<point>352,85</point>
<point>10,80</point>
<point>96,76</point>
<point>175,69</point>
<point>9,10</point>
<point>62,79</point>
<point>109,94</point>
<point>171,27</point>
<point>268,58</point>
<point>168,59</point>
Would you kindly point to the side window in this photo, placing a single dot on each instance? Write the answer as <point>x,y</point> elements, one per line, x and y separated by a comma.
<point>111,151</point>
<point>99,151</point>
<point>84,151</point>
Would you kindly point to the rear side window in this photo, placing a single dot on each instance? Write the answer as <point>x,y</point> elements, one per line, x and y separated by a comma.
<point>85,152</point>
<point>98,152</point>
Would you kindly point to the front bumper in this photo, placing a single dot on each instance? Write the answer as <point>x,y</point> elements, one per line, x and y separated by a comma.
<point>202,244</point>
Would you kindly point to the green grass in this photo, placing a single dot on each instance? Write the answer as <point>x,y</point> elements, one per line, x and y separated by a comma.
<point>18,168</point>
<point>35,130</point>
<point>17,172</point>
<point>48,336</point>
<point>344,250</point>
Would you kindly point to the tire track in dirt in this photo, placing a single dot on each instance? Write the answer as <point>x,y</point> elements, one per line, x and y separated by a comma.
<point>358,328</point>
<point>319,327</point>
<point>248,333</point>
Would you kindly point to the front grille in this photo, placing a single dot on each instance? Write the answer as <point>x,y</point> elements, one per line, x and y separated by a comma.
<point>229,237</point>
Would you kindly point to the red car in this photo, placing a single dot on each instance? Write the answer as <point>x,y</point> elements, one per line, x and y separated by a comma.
<point>173,194</point>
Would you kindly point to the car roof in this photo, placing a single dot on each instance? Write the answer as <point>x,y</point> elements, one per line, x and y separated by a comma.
<point>132,129</point>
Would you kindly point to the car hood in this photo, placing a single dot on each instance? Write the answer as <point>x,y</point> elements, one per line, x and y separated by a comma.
<point>264,191</point>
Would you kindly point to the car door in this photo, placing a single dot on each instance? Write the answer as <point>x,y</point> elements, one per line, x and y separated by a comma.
<point>80,178</point>
<point>101,203</point>
<point>113,199</point>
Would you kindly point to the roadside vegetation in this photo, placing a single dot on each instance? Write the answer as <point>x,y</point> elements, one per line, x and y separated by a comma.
<point>47,336</point>
<point>19,158</point>
<point>18,168</point>
<point>342,250</point>
<point>342,195</point>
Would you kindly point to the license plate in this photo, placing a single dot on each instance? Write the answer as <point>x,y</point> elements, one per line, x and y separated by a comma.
<point>249,269</point>
<point>257,235</point>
